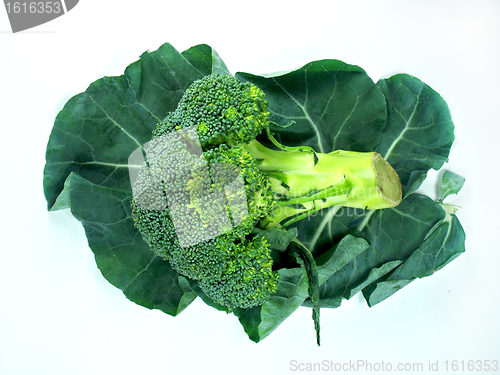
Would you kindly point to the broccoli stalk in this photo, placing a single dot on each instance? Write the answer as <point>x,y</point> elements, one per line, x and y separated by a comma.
<point>305,181</point>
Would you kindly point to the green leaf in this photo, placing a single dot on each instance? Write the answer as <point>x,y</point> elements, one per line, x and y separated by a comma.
<point>340,255</point>
<point>419,131</point>
<point>206,60</point>
<point>334,260</point>
<point>417,177</point>
<point>374,275</point>
<point>442,245</point>
<point>278,239</point>
<point>123,258</point>
<point>417,136</point>
<point>416,114</point>
<point>451,183</point>
<point>393,234</point>
<point>331,105</point>
<point>291,292</point>
<point>384,289</point>
<point>97,130</point>
<point>87,166</point>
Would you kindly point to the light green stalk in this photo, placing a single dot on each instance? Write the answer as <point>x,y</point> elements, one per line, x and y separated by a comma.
<point>305,181</point>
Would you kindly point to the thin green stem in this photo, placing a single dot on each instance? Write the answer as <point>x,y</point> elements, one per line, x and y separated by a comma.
<point>275,142</point>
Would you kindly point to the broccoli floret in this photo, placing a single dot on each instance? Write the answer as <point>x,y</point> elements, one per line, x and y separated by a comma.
<point>208,184</point>
<point>191,208</point>
<point>162,211</point>
<point>204,259</point>
<point>259,197</point>
<point>248,278</point>
<point>223,109</point>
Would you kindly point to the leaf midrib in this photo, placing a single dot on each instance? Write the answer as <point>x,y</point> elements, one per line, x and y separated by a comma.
<point>406,128</point>
<point>306,114</point>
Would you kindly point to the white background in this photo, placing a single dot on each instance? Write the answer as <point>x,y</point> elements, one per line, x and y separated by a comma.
<point>57,313</point>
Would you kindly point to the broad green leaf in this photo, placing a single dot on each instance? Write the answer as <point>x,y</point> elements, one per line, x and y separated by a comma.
<point>443,244</point>
<point>393,234</point>
<point>417,137</point>
<point>291,292</point>
<point>374,275</point>
<point>451,183</point>
<point>87,170</point>
<point>332,261</point>
<point>340,255</point>
<point>206,60</point>
<point>392,237</point>
<point>96,131</point>
<point>419,131</point>
<point>384,289</point>
<point>123,258</point>
<point>333,105</point>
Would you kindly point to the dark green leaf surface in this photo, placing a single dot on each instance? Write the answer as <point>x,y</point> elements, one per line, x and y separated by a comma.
<point>333,106</point>
<point>374,275</point>
<point>96,131</point>
<point>412,240</point>
<point>419,131</point>
<point>340,255</point>
<point>123,258</point>
<point>444,244</point>
<point>334,260</point>
<point>292,291</point>
<point>393,234</point>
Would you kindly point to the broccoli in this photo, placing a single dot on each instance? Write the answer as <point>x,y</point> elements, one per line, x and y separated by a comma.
<point>208,184</point>
<point>248,278</point>
<point>223,109</point>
